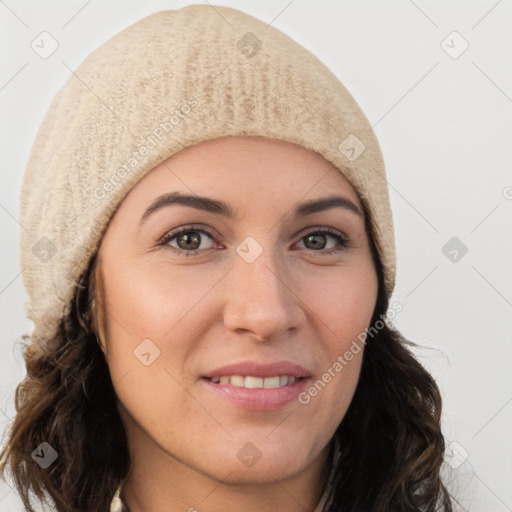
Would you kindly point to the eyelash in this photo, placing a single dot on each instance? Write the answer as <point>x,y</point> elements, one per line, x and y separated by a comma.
<point>344,243</point>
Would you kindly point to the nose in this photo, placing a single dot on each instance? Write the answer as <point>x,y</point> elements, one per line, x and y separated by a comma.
<point>263,298</point>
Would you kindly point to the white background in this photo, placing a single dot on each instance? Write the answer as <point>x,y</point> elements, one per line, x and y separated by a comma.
<point>445,127</point>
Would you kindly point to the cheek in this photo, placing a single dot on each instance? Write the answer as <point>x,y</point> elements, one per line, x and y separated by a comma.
<point>150,301</point>
<point>343,309</point>
<point>146,310</point>
<point>345,305</point>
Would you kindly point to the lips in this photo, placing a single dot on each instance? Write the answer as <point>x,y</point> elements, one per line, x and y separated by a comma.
<point>256,386</point>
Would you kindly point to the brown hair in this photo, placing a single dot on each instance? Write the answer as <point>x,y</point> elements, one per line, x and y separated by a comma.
<point>390,438</point>
<point>67,400</point>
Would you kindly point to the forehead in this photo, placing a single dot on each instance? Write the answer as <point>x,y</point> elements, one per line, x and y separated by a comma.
<point>247,173</point>
<point>243,168</point>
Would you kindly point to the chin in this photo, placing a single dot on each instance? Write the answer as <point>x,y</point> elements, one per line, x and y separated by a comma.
<point>262,473</point>
<point>250,466</point>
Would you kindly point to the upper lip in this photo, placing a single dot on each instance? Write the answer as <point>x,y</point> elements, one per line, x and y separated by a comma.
<point>256,369</point>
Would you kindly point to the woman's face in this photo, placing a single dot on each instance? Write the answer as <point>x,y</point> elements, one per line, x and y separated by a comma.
<point>197,341</point>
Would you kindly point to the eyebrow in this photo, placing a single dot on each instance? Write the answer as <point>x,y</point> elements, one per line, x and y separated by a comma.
<point>221,208</point>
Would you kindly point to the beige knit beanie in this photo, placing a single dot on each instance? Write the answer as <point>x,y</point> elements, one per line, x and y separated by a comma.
<point>170,81</point>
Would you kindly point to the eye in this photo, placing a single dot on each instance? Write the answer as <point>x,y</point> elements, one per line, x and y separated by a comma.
<point>317,240</point>
<point>187,239</point>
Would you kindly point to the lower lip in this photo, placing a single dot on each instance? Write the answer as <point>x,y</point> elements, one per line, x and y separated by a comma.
<point>259,399</point>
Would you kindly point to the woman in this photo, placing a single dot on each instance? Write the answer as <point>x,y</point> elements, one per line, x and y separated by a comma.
<point>210,258</point>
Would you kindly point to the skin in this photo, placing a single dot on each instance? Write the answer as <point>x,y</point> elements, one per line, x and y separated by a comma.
<point>294,303</point>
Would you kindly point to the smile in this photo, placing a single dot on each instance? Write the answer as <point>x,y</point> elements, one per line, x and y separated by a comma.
<point>252,382</point>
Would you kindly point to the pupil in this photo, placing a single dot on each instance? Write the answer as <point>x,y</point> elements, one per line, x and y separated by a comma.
<point>186,238</point>
<point>313,237</point>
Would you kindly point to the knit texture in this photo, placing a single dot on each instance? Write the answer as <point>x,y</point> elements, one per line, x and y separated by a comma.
<point>170,81</point>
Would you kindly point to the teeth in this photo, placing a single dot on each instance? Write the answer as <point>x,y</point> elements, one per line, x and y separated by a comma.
<point>255,382</point>
<point>237,380</point>
<point>272,382</point>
